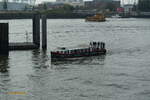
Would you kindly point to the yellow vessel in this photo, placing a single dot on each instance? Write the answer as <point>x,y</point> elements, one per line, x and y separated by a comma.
<point>97,18</point>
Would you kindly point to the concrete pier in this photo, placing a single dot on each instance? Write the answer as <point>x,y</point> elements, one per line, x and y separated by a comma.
<point>5,46</point>
<point>44,32</point>
<point>4,39</point>
<point>36,29</point>
<point>22,46</point>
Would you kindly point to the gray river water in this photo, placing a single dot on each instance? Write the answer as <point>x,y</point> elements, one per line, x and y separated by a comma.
<point>122,74</point>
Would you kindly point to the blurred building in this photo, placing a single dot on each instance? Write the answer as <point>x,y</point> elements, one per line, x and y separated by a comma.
<point>103,0</point>
<point>120,10</point>
<point>144,5</point>
<point>103,4</point>
<point>13,6</point>
<point>143,8</point>
<point>30,2</point>
<point>72,2</point>
<point>128,8</point>
<point>49,5</point>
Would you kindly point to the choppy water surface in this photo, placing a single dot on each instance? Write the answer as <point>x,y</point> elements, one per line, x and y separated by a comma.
<point>123,74</point>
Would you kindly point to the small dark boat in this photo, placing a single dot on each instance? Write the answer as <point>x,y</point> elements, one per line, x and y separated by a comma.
<point>94,49</point>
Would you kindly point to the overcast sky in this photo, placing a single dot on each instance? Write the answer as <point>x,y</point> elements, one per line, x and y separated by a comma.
<point>123,1</point>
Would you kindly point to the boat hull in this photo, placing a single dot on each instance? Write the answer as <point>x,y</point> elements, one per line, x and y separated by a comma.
<point>57,56</point>
<point>96,18</point>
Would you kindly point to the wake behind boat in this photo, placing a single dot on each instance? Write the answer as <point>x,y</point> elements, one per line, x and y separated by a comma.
<point>93,49</point>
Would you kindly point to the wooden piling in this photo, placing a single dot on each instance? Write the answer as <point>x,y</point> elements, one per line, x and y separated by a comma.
<point>44,32</point>
<point>4,40</point>
<point>36,29</point>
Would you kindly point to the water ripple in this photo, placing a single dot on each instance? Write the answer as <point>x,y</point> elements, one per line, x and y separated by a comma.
<point>125,87</point>
<point>71,79</point>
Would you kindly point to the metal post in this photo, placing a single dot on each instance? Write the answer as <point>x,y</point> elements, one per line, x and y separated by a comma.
<point>4,40</point>
<point>103,45</point>
<point>36,29</point>
<point>44,32</point>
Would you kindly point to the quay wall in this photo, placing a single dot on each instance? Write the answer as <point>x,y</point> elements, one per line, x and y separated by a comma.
<point>29,15</point>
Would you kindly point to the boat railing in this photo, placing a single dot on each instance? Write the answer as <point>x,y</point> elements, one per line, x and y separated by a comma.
<point>93,47</point>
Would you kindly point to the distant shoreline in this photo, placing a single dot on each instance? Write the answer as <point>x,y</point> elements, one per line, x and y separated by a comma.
<point>29,15</point>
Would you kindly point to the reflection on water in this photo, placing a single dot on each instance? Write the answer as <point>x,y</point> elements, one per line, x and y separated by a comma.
<point>40,59</point>
<point>82,60</point>
<point>4,64</point>
<point>4,76</point>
